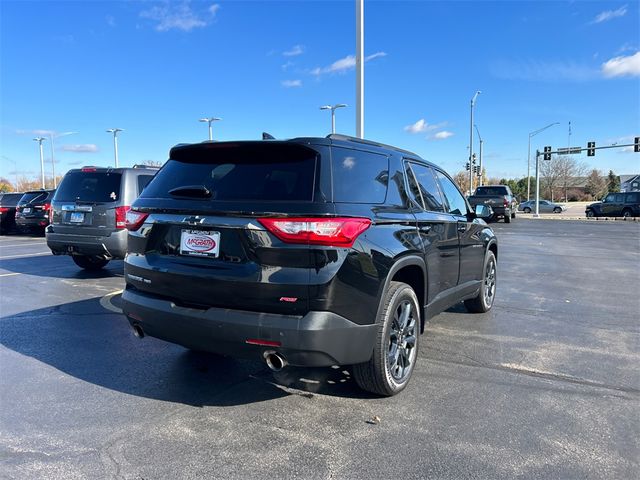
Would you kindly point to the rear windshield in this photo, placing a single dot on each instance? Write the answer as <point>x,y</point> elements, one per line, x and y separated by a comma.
<point>238,174</point>
<point>10,199</point>
<point>34,197</point>
<point>495,191</point>
<point>89,187</point>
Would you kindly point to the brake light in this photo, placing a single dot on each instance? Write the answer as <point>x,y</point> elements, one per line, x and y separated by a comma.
<point>121,216</point>
<point>135,219</point>
<point>88,169</point>
<point>505,202</point>
<point>4,209</point>
<point>44,207</point>
<point>336,231</point>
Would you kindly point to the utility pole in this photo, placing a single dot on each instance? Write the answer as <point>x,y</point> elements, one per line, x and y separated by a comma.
<point>473,102</point>
<point>115,142</point>
<point>333,113</point>
<point>360,68</point>
<point>480,165</point>
<point>40,140</point>
<point>53,162</point>
<point>210,120</point>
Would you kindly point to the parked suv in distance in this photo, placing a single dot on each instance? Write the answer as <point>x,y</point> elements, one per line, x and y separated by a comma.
<point>499,198</point>
<point>623,204</point>
<point>309,252</point>
<point>89,211</point>
<point>32,211</point>
<point>8,204</point>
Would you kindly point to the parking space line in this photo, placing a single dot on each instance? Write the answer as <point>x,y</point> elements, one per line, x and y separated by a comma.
<point>9,257</point>
<point>9,274</point>
<point>2,245</point>
<point>105,302</point>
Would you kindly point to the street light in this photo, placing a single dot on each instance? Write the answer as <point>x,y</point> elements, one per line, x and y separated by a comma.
<point>210,120</point>
<point>40,140</point>
<point>480,169</point>
<point>533,134</point>
<point>473,102</point>
<point>333,113</point>
<point>360,59</point>
<point>115,142</point>
<point>53,163</point>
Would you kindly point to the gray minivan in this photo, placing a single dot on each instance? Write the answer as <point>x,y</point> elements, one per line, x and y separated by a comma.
<point>89,210</point>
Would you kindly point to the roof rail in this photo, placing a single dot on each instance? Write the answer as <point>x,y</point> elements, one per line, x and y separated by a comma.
<point>347,138</point>
<point>142,165</point>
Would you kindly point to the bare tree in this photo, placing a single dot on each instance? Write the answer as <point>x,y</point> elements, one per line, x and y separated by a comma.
<point>462,180</point>
<point>568,169</point>
<point>550,175</point>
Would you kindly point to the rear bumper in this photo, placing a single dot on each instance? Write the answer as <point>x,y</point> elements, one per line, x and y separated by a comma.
<point>112,246</point>
<point>317,339</point>
<point>32,222</point>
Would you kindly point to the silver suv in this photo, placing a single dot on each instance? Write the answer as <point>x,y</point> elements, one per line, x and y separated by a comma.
<point>88,213</point>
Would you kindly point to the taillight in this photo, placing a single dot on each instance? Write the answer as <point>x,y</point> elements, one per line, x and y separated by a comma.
<point>44,207</point>
<point>506,202</point>
<point>336,231</point>
<point>4,209</point>
<point>50,215</point>
<point>135,219</point>
<point>121,216</point>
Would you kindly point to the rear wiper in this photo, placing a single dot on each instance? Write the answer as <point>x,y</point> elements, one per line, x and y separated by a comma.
<point>194,191</point>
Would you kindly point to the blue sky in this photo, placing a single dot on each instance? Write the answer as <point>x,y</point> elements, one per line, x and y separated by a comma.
<point>155,68</point>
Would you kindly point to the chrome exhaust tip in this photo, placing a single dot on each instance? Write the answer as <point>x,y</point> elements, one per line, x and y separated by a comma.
<point>138,331</point>
<point>275,361</point>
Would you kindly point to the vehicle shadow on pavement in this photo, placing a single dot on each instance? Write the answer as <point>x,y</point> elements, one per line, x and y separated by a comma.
<point>83,340</point>
<point>60,267</point>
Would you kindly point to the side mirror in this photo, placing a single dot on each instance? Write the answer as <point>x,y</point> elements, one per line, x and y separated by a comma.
<point>483,211</point>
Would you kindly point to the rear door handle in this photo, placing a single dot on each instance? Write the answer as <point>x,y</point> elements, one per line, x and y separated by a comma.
<point>425,229</point>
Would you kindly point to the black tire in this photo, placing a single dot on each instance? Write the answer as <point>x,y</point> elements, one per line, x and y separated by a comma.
<point>557,210</point>
<point>484,301</point>
<point>590,214</point>
<point>90,262</point>
<point>626,213</point>
<point>507,218</point>
<point>527,210</point>
<point>383,374</point>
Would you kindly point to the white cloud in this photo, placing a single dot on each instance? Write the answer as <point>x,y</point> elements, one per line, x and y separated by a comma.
<point>291,83</point>
<point>543,71</point>
<point>294,51</point>
<point>82,148</point>
<point>40,133</point>
<point>286,65</point>
<point>622,66</point>
<point>180,16</point>
<point>344,64</point>
<point>421,126</point>
<point>441,135</point>
<point>610,15</point>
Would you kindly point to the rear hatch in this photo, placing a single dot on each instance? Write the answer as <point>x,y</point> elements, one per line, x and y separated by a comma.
<point>87,202</point>
<point>34,204</point>
<point>204,242</point>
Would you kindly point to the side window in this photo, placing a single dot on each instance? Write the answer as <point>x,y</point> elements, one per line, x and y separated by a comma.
<point>633,197</point>
<point>609,198</point>
<point>421,180</point>
<point>359,177</point>
<point>143,181</point>
<point>457,203</point>
<point>619,198</point>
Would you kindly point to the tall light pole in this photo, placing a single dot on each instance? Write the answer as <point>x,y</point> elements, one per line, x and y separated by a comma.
<point>53,162</point>
<point>210,120</point>
<point>480,166</point>
<point>115,142</point>
<point>533,134</point>
<point>473,102</point>
<point>40,140</point>
<point>360,68</point>
<point>333,113</point>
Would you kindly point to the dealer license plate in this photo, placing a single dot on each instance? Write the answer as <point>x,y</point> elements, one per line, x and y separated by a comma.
<point>200,243</point>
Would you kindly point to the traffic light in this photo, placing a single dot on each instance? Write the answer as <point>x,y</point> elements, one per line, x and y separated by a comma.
<point>468,167</point>
<point>547,153</point>
<point>591,149</point>
<point>476,170</point>
<point>636,145</point>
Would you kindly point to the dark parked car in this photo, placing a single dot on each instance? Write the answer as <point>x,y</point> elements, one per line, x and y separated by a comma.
<point>8,204</point>
<point>32,211</point>
<point>89,211</point>
<point>624,204</point>
<point>309,252</point>
<point>499,198</point>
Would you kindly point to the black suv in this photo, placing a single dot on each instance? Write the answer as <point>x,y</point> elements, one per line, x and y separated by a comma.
<point>89,211</point>
<point>624,204</point>
<point>8,204</point>
<point>32,211</point>
<point>311,252</point>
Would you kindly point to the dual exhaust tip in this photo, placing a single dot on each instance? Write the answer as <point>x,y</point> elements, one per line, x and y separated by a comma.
<point>274,360</point>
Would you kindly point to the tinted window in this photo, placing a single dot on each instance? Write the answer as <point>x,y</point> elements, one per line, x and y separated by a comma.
<point>89,187</point>
<point>273,173</point>
<point>609,198</point>
<point>143,181</point>
<point>619,198</point>
<point>457,203</point>
<point>633,198</point>
<point>34,197</point>
<point>10,199</point>
<point>493,191</point>
<point>359,177</point>
<point>424,187</point>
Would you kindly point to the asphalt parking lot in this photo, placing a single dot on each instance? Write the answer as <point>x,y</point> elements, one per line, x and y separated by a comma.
<point>546,385</point>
